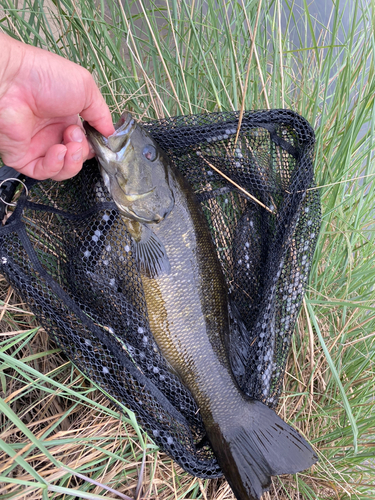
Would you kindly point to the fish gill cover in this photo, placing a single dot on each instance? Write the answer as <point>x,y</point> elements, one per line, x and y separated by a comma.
<point>67,252</point>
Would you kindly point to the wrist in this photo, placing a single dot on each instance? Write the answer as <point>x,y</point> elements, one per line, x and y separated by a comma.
<point>11,58</point>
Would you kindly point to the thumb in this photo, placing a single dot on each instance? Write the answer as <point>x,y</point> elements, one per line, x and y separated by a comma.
<point>96,111</point>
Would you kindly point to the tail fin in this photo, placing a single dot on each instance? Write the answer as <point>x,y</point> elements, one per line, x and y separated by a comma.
<point>255,446</point>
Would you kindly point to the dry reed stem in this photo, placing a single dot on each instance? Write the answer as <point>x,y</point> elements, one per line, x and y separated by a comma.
<point>237,186</point>
<point>253,38</point>
<point>73,437</point>
<point>72,441</point>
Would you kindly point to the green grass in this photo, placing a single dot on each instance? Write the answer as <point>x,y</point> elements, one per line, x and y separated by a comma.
<point>176,57</point>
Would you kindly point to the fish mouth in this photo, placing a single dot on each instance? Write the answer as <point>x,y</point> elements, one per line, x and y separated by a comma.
<point>124,128</point>
<point>126,119</point>
<point>114,147</point>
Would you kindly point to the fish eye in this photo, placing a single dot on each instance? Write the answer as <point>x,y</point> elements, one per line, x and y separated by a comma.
<point>149,152</point>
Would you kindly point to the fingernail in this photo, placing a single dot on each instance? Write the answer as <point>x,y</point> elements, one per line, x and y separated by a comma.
<point>77,135</point>
<point>61,155</point>
<point>77,155</point>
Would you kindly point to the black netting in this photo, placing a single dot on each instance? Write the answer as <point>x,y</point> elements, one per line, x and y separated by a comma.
<point>68,254</point>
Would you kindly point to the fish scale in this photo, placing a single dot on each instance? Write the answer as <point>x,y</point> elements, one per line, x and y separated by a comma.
<point>188,310</point>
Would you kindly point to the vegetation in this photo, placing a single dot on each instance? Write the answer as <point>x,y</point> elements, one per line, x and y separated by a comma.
<point>60,437</point>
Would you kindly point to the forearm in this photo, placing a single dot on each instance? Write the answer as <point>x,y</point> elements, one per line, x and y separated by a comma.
<point>12,54</point>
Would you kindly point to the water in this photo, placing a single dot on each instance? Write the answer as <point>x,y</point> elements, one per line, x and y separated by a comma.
<point>322,16</point>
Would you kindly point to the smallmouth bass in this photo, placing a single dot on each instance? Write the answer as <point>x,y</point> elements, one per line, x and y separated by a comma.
<point>187,305</point>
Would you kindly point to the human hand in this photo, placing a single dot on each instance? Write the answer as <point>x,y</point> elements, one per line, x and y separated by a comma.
<point>41,98</point>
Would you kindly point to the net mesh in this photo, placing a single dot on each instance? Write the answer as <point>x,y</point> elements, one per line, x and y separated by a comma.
<point>68,254</point>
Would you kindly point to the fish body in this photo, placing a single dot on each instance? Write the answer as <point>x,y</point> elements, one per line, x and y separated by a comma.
<point>187,305</point>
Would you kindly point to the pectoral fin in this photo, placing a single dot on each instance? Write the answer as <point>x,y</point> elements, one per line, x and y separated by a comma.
<point>149,250</point>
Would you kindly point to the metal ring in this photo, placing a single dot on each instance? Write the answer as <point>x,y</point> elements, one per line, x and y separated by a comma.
<point>13,179</point>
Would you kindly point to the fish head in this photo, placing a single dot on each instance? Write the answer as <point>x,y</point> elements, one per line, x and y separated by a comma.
<point>134,169</point>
